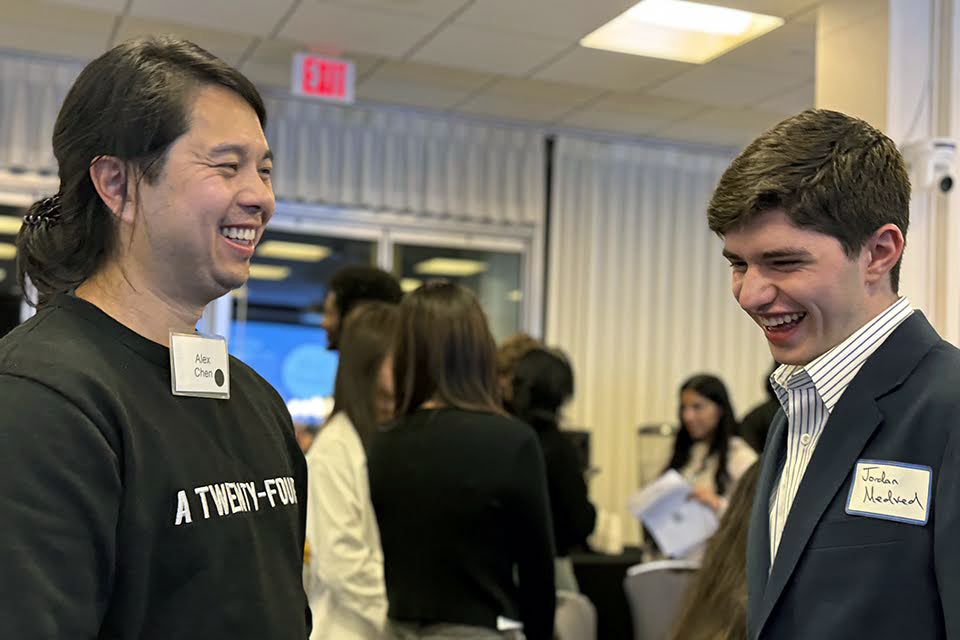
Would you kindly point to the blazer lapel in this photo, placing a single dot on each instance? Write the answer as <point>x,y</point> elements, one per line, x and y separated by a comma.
<point>847,431</point>
<point>758,535</point>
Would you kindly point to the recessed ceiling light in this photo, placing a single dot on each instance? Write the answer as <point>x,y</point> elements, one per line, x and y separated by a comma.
<point>268,271</point>
<point>10,225</point>
<point>410,284</point>
<point>300,251</point>
<point>450,267</point>
<point>7,251</point>
<point>680,30</point>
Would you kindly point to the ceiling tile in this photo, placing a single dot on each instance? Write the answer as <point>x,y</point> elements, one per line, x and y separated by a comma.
<point>731,127</point>
<point>489,51</point>
<point>791,102</point>
<point>570,19</point>
<point>336,27</point>
<point>790,49</point>
<point>226,46</point>
<point>420,85</point>
<point>109,6</point>
<point>60,31</point>
<point>609,70</point>
<point>270,63</point>
<point>781,8</point>
<point>838,16</point>
<point>725,86</point>
<point>425,8</point>
<point>528,100</point>
<point>634,114</point>
<point>251,17</point>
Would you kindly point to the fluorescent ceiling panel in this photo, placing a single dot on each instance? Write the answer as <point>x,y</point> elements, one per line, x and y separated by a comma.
<point>299,251</point>
<point>10,225</point>
<point>269,271</point>
<point>450,267</point>
<point>680,30</point>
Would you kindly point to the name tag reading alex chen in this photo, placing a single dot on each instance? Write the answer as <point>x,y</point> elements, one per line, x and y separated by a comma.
<point>891,491</point>
<point>199,366</point>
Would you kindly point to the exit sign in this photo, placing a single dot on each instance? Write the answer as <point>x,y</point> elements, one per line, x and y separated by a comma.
<point>322,77</point>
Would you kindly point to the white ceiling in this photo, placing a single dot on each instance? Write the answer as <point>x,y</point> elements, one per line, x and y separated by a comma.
<point>516,59</point>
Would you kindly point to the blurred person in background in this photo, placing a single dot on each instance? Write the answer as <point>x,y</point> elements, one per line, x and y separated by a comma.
<point>459,488</point>
<point>343,568</point>
<point>152,485</point>
<point>715,605</point>
<point>508,354</point>
<point>756,424</point>
<point>705,451</point>
<point>542,384</point>
<point>349,287</point>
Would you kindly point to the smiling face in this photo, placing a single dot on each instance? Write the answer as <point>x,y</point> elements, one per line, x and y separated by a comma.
<point>798,285</point>
<point>198,223</point>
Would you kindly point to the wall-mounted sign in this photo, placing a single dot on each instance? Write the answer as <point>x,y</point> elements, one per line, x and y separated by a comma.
<point>323,77</point>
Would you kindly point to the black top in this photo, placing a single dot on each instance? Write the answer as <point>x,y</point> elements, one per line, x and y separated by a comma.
<point>756,424</point>
<point>573,515</point>
<point>129,513</point>
<point>461,500</point>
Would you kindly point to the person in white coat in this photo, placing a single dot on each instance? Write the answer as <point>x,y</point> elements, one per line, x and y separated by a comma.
<point>343,560</point>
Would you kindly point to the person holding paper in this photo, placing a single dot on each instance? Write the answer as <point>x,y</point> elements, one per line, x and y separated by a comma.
<point>857,513</point>
<point>705,451</point>
<point>152,485</point>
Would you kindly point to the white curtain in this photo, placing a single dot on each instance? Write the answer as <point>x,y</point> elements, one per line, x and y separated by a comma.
<point>31,91</point>
<point>425,165</point>
<point>373,158</point>
<point>639,296</point>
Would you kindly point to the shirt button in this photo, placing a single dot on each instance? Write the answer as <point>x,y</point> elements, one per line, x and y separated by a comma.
<point>805,439</point>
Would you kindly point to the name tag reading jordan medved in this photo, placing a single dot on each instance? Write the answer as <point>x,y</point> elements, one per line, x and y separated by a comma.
<point>891,491</point>
<point>199,366</point>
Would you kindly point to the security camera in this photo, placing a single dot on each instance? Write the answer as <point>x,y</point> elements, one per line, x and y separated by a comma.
<point>932,164</point>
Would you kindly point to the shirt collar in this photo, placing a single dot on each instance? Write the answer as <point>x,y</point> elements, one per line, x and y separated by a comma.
<point>831,373</point>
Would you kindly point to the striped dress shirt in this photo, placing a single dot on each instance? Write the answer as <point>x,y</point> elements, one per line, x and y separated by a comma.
<point>808,393</point>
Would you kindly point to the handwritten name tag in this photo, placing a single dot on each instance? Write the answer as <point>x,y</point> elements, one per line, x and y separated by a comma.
<point>891,491</point>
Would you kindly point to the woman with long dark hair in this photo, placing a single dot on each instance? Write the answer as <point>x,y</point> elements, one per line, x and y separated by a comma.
<point>705,451</point>
<point>343,563</point>
<point>542,384</point>
<point>459,488</point>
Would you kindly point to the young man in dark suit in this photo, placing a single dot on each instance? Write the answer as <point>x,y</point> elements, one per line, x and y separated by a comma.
<point>854,527</point>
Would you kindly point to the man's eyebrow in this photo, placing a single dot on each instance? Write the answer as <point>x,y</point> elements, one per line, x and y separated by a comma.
<point>785,252</point>
<point>239,149</point>
<point>730,255</point>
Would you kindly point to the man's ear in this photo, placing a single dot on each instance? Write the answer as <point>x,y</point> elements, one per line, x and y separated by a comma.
<point>882,251</point>
<point>111,178</point>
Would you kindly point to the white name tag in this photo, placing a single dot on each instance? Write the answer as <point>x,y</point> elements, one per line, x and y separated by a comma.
<point>891,491</point>
<point>199,366</point>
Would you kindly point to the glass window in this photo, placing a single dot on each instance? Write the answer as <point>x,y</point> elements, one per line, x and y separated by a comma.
<point>277,315</point>
<point>494,276</point>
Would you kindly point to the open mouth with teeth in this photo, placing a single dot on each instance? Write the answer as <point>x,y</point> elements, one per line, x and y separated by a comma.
<point>781,323</point>
<point>243,236</point>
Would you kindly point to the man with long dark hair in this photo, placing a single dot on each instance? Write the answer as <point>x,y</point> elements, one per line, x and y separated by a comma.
<point>152,485</point>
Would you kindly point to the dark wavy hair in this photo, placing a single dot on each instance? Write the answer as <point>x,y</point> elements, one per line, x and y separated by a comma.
<point>367,339</point>
<point>131,103</point>
<point>445,351</point>
<point>714,390</point>
<point>542,384</point>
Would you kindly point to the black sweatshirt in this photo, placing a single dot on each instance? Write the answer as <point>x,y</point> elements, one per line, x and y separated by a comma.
<point>461,499</point>
<point>129,513</point>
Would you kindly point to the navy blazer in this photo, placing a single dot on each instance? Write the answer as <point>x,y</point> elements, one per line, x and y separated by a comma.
<point>843,576</point>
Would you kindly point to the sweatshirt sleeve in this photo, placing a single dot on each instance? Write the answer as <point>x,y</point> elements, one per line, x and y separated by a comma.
<point>535,546</point>
<point>59,512</point>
